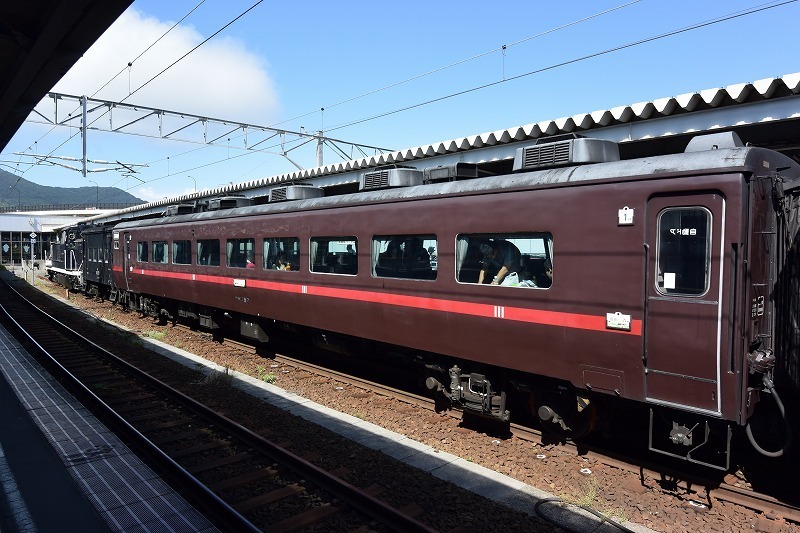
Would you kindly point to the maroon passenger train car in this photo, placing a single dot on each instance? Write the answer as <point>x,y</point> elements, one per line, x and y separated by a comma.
<point>667,282</point>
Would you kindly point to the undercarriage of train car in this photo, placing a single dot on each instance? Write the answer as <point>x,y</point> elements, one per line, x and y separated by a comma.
<point>563,411</point>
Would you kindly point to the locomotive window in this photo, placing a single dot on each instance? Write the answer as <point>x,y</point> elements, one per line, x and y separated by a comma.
<point>506,259</point>
<point>282,254</point>
<point>208,252</point>
<point>241,253</point>
<point>182,252</point>
<point>684,251</point>
<point>141,252</point>
<point>334,255</point>
<point>404,256</point>
<point>159,251</point>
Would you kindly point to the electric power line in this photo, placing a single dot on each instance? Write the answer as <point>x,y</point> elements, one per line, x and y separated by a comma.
<point>762,7</point>
<point>130,63</point>
<point>501,48</point>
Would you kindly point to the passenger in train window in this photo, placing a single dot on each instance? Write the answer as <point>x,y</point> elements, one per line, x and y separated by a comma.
<point>546,280</point>
<point>250,263</point>
<point>281,263</point>
<point>502,259</point>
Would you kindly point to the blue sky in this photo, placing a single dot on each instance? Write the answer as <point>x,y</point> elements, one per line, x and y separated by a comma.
<point>282,62</point>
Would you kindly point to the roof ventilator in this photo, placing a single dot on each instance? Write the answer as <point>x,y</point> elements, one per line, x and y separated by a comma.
<point>300,191</point>
<point>386,177</point>
<point>229,202</point>
<point>714,141</point>
<point>454,172</point>
<point>179,209</point>
<point>561,150</point>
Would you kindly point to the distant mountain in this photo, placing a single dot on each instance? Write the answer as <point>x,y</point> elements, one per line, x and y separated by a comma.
<point>31,195</point>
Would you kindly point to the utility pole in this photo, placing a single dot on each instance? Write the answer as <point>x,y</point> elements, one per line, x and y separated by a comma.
<point>96,194</point>
<point>33,268</point>
<point>84,129</point>
<point>320,140</point>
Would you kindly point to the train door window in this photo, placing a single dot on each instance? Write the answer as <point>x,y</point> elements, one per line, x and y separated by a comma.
<point>142,251</point>
<point>334,255</point>
<point>182,252</point>
<point>208,252</point>
<point>159,251</point>
<point>506,259</point>
<point>684,251</point>
<point>282,254</point>
<point>404,256</point>
<point>241,253</point>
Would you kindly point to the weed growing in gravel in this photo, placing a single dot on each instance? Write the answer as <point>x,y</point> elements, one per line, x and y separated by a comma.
<point>265,375</point>
<point>588,497</point>
<point>157,335</point>
<point>219,379</point>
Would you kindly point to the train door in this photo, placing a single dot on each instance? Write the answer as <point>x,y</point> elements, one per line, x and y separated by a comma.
<point>683,327</point>
<point>126,258</point>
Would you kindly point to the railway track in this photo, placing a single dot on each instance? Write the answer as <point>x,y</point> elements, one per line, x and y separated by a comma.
<point>240,479</point>
<point>704,490</point>
<point>688,487</point>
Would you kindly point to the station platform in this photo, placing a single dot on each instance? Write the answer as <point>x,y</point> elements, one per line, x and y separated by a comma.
<point>61,470</point>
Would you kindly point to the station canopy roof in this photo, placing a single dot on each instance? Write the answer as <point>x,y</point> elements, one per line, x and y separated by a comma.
<point>40,40</point>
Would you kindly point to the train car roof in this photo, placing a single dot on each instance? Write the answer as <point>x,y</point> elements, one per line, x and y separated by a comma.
<point>744,159</point>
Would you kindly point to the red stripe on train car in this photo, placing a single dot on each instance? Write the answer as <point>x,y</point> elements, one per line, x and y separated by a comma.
<point>517,314</point>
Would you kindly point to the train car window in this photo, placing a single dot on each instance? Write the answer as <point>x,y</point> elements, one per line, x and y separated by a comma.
<point>334,255</point>
<point>282,254</point>
<point>182,252</point>
<point>505,259</point>
<point>684,251</point>
<point>159,251</point>
<point>142,252</point>
<point>404,256</point>
<point>208,252</point>
<point>240,253</point>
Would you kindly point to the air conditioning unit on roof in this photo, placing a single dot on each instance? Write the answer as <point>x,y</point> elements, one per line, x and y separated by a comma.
<point>389,177</point>
<point>298,191</point>
<point>565,150</point>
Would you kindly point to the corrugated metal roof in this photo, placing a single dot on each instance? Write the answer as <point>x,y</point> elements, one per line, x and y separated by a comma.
<point>740,93</point>
<point>758,102</point>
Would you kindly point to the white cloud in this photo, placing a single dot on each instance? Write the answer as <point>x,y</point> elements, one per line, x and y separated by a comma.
<point>221,79</point>
<point>149,194</point>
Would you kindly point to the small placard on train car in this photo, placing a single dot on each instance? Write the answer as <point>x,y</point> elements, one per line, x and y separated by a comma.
<point>618,321</point>
<point>625,216</point>
<point>239,282</point>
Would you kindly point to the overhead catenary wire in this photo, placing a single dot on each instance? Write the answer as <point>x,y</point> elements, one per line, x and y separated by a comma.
<point>130,63</point>
<point>501,48</point>
<point>762,7</point>
<point>322,109</point>
<point>737,14</point>
<point>165,69</point>
<point>249,9</point>
<point>126,67</point>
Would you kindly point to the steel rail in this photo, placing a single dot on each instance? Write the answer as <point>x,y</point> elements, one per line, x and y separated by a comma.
<point>353,496</point>
<point>691,483</point>
<point>214,507</point>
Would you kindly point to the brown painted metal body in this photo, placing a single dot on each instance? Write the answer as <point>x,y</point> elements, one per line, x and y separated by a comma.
<point>614,321</point>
